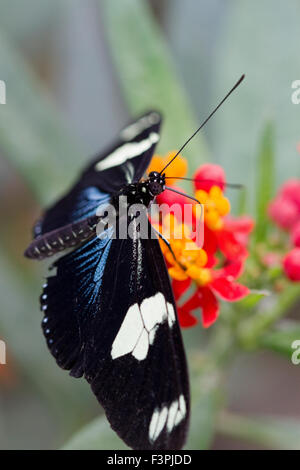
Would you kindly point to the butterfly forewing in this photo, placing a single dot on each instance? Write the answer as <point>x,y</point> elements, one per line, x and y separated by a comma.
<point>124,162</point>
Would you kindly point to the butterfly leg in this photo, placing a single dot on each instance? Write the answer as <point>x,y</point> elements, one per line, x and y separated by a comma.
<point>160,235</point>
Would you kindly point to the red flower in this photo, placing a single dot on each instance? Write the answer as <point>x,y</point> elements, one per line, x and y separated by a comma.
<point>231,240</point>
<point>223,285</point>
<point>291,264</point>
<point>223,235</point>
<point>241,227</point>
<point>284,212</point>
<point>209,175</point>
<point>170,198</point>
<point>295,234</point>
<point>291,191</point>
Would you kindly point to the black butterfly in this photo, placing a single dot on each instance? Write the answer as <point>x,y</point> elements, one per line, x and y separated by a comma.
<point>109,311</point>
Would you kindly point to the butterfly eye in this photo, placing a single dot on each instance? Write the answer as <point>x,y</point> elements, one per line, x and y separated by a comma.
<point>154,175</point>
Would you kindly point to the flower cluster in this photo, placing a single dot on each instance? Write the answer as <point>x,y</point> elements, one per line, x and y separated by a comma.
<point>284,210</point>
<point>203,274</point>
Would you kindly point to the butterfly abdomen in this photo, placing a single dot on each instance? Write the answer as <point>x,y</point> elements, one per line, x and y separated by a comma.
<point>60,239</point>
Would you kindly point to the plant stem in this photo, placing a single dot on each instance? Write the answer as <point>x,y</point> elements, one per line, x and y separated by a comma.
<point>250,330</point>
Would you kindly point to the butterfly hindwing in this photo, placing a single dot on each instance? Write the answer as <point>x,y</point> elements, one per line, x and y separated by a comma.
<point>111,317</point>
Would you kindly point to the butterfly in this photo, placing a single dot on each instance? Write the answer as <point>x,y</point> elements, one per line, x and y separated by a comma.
<point>109,310</point>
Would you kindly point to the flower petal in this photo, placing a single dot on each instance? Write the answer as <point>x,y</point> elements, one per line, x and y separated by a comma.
<point>291,264</point>
<point>209,175</point>
<point>192,303</point>
<point>229,291</point>
<point>206,300</point>
<point>231,270</point>
<point>230,246</point>
<point>180,287</point>
<point>243,224</point>
<point>209,305</point>
<point>210,241</point>
<point>186,319</point>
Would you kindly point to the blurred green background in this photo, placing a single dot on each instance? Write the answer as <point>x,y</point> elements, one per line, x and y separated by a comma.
<point>75,72</point>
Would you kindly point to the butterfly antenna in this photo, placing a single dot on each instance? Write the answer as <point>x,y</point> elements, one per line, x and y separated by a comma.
<point>203,124</point>
<point>205,180</point>
<point>189,197</point>
<point>182,194</point>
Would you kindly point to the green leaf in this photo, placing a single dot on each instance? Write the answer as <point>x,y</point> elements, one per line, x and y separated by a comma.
<point>272,432</point>
<point>32,133</point>
<point>97,435</point>
<point>20,329</point>
<point>280,339</point>
<point>265,182</point>
<point>33,26</point>
<point>242,201</point>
<point>271,309</point>
<point>34,140</point>
<point>266,91</point>
<point>148,77</point>
<point>204,410</point>
<point>252,299</point>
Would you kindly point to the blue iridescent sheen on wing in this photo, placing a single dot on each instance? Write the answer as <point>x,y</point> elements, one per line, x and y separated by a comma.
<point>99,293</point>
<point>77,205</point>
<point>70,298</point>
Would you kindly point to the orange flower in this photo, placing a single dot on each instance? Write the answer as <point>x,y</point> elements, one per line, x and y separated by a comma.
<point>190,259</point>
<point>216,206</point>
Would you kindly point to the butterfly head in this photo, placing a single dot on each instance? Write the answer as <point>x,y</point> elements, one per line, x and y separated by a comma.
<point>156,183</point>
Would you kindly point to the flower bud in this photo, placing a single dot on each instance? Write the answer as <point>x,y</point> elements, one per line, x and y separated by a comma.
<point>291,264</point>
<point>209,175</point>
<point>283,212</point>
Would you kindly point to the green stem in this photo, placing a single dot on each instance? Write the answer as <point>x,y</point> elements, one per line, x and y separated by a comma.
<point>266,431</point>
<point>250,330</point>
<point>240,427</point>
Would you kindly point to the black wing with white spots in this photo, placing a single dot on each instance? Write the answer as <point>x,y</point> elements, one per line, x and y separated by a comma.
<point>110,316</point>
<point>124,162</point>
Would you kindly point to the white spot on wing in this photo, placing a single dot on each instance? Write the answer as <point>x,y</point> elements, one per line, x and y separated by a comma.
<point>152,334</point>
<point>171,314</point>
<point>171,416</point>
<point>154,310</point>
<point>153,424</point>
<point>129,333</point>
<point>126,152</point>
<point>182,410</point>
<point>141,349</point>
<point>132,131</point>
<point>139,327</point>
<point>163,415</point>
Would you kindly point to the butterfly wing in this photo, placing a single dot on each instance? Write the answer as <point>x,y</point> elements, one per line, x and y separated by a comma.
<point>127,160</point>
<point>124,162</point>
<point>110,316</point>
